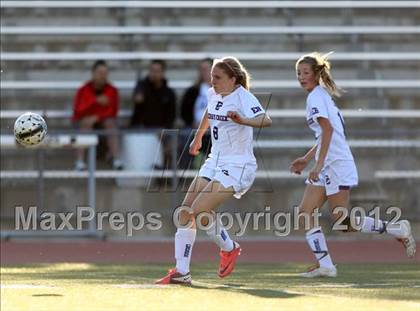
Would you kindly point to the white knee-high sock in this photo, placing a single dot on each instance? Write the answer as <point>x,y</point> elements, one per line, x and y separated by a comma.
<point>316,241</point>
<point>381,226</point>
<point>368,225</point>
<point>219,235</point>
<point>184,241</point>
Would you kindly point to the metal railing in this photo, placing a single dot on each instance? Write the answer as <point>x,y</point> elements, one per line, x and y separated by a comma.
<point>90,141</point>
<point>56,142</point>
<point>274,113</point>
<point>177,56</point>
<point>181,84</point>
<point>211,4</point>
<point>207,30</point>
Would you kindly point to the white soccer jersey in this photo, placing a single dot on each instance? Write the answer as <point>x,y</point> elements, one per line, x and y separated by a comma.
<point>320,104</point>
<point>232,142</point>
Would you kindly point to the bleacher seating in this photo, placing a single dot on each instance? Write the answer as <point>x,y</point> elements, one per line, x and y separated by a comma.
<point>45,57</point>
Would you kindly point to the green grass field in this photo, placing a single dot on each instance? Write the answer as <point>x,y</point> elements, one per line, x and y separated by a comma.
<point>251,287</point>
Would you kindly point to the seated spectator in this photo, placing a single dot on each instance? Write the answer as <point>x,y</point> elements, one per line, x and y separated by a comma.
<point>194,104</point>
<point>96,104</point>
<point>154,103</point>
<point>194,101</point>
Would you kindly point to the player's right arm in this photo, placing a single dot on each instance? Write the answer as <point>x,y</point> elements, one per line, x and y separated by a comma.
<point>195,145</point>
<point>299,164</point>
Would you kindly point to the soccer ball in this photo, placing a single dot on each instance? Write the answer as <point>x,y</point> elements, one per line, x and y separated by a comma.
<point>30,129</point>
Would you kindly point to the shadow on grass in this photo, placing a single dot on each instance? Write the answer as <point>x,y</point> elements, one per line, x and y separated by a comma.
<point>240,288</point>
<point>383,281</point>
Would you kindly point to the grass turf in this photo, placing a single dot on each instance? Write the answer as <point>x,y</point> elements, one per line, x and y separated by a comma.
<point>251,287</point>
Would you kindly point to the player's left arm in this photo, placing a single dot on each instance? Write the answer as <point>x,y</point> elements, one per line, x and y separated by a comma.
<point>327,131</point>
<point>262,120</point>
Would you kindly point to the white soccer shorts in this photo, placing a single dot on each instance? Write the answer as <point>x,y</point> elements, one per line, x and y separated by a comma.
<point>336,176</point>
<point>240,177</point>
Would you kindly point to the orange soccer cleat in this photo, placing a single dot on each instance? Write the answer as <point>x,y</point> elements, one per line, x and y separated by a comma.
<point>174,277</point>
<point>228,260</point>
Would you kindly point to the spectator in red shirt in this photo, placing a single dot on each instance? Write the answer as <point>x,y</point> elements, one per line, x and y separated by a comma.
<point>96,103</point>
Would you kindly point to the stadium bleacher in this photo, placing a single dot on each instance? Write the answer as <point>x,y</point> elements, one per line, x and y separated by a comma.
<point>376,60</point>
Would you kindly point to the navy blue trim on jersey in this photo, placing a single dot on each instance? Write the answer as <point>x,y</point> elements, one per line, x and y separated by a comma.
<point>343,187</point>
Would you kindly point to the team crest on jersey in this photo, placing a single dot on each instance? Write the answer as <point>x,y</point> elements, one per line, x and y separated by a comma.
<point>314,110</point>
<point>256,109</point>
<point>218,105</point>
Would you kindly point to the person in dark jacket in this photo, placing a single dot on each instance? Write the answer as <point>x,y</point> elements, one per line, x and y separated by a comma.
<point>154,101</point>
<point>194,104</point>
<point>154,104</point>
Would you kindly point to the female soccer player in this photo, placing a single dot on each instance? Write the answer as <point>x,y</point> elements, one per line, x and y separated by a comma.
<point>230,169</point>
<point>334,173</point>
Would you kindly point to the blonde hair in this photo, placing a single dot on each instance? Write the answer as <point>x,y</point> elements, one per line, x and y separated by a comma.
<point>233,68</point>
<point>321,68</point>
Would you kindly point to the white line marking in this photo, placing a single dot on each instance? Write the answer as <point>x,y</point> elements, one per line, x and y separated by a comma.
<point>23,286</point>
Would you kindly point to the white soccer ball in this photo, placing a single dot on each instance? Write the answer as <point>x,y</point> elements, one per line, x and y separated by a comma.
<point>30,129</point>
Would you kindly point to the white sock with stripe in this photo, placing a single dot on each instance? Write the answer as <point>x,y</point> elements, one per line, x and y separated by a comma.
<point>220,236</point>
<point>381,226</point>
<point>184,241</point>
<point>369,225</point>
<point>316,242</point>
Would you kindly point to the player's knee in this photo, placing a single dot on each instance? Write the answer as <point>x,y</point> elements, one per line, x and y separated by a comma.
<point>185,215</point>
<point>304,214</point>
<point>206,219</point>
<point>184,218</point>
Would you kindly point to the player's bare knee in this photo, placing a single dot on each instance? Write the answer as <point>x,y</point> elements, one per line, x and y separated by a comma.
<point>304,213</point>
<point>206,218</point>
<point>184,215</point>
